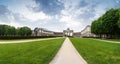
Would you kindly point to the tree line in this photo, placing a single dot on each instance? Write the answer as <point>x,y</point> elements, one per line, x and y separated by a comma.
<point>108,25</point>
<point>7,30</point>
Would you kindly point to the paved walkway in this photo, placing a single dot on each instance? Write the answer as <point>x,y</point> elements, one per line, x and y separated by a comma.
<point>23,41</point>
<point>68,55</point>
<point>107,41</point>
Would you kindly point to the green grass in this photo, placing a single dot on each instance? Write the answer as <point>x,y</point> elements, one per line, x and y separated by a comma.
<point>7,40</point>
<point>39,52</point>
<point>97,52</point>
<point>18,39</point>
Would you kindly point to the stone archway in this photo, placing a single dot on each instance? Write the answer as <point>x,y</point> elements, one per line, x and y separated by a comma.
<point>68,32</point>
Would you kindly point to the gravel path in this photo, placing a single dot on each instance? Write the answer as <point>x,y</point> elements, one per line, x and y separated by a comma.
<point>107,41</point>
<point>68,55</point>
<point>23,41</point>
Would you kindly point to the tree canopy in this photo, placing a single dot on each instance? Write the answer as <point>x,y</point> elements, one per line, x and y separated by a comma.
<point>24,31</point>
<point>6,30</point>
<point>107,24</point>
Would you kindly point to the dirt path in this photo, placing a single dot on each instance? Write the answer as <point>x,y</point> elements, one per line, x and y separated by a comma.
<point>23,41</point>
<point>68,55</point>
<point>106,41</point>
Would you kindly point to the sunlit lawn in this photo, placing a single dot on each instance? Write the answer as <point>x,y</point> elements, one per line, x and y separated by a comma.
<point>97,52</point>
<point>10,40</point>
<point>7,40</point>
<point>39,52</point>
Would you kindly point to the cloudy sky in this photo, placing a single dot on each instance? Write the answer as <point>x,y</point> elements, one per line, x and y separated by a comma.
<point>54,15</point>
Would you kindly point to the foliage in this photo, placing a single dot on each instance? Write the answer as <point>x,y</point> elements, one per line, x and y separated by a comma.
<point>6,30</point>
<point>24,31</point>
<point>10,30</point>
<point>107,24</point>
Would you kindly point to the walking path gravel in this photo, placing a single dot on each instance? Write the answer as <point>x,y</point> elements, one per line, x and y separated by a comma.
<point>68,55</point>
<point>24,41</point>
<point>107,41</point>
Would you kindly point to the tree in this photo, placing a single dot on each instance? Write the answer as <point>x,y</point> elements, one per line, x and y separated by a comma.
<point>96,27</point>
<point>110,19</point>
<point>119,18</point>
<point>24,31</point>
<point>107,24</point>
<point>11,31</point>
<point>2,30</point>
<point>6,30</point>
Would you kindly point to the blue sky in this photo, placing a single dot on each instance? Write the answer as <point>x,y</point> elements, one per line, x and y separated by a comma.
<point>55,15</point>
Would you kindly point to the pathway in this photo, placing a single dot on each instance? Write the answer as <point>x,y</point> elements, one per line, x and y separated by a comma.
<point>107,41</point>
<point>68,55</point>
<point>23,41</point>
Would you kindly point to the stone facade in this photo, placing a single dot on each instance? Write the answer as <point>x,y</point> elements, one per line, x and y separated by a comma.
<point>42,32</point>
<point>68,32</point>
<point>77,34</point>
<point>59,34</point>
<point>87,32</point>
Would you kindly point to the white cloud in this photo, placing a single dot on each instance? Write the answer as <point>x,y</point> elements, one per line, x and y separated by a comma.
<point>36,16</point>
<point>70,15</point>
<point>24,8</point>
<point>73,15</point>
<point>69,21</point>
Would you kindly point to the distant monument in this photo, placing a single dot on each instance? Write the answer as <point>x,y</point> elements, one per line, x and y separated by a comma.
<point>68,32</point>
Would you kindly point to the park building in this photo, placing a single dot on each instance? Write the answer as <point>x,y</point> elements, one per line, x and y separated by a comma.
<point>42,32</point>
<point>45,32</point>
<point>86,32</point>
<point>59,34</point>
<point>68,33</point>
<point>77,34</point>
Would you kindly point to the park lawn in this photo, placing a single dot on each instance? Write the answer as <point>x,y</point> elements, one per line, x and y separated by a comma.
<point>38,52</point>
<point>7,40</point>
<point>97,52</point>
